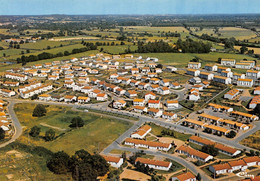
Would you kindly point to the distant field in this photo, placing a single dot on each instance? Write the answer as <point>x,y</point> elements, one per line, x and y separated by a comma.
<point>6,67</point>
<point>117,49</point>
<point>181,59</point>
<point>228,32</point>
<point>42,44</point>
<point>53,50</point>
<point>253,40</point>
<point>154,29</point>
<point>93,137</point>
<point>256,50</point>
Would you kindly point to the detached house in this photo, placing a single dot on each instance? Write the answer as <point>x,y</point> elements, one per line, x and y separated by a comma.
<point>154,104</point>
<point>149,96</point>
<point>119,104</point>
<point>172,104</point>
<point>194,65</point>
<point>131,93</point>
<point>163,90</point>
<point>139,102</point>
<point>114,161</point>
<point>154,112</point>
<point>141,132</point>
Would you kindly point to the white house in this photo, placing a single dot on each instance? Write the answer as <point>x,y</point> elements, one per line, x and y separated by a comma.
<point>163,90</point>
<point>212,68</point>
<point>257,91</point>
<point>194,65</point>
<point>114,161</point>
<point>149,96</point>
<point>119,104</point>
<point>154,104</point>
<point>221,79</point>
<point>245,82</point>
<point>228,62</point>
<point>172,104</point>
<point>139,102</point>
<point>231,94</point>
<point>193,72</point>
<point>206,75</point>
<point>155,164</point>
<point>187,176</point>
<point>141,132</point>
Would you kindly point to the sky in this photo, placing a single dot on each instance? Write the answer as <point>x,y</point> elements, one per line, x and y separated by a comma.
<point>138,7</point>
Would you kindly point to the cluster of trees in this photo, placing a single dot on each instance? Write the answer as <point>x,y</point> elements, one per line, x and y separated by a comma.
<point>167,133</point>
<point>49,134</point>
<point>102,44</point>
<point>210,149</point>
<point>39,110</point>
<point>191,46</point>
<point>155,47</point>
<point>187,46</point>
<point>82,165</point>
<point>44,55</point>
<point>77,122</point>
<point>2,134</point>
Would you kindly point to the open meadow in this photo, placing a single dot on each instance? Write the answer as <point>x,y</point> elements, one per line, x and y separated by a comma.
<point>99,131</point>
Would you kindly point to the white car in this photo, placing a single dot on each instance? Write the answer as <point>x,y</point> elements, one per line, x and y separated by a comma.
<point>85,110</point>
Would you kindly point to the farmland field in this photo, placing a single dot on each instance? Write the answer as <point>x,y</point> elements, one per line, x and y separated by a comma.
<point>228,32</point>
<point>181,59</point>
<point>96,137</point>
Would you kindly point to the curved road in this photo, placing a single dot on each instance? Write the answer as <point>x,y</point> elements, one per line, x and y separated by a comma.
<point>143,119</point>
<point>17,126</point>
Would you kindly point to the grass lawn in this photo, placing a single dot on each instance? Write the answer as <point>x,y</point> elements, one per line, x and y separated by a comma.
<point>156,130</point>
<point>98,132</point>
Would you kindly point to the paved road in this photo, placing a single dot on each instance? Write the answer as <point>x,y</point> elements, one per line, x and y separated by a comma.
<point>16,123</point>
<point>248,133</point>
<point>180,160</point>
<point>173,126</point>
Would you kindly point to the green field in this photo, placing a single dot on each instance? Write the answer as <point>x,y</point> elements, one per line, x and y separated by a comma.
<point>228,32</point>
<point>156,130</point>
<point>98,132</point>
<point>182,59</point>
<point>42,44</point>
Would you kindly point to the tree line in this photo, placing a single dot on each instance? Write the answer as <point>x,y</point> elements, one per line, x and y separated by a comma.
<point>187,46</point>
<point>45,55</point>
<point>82,165</point>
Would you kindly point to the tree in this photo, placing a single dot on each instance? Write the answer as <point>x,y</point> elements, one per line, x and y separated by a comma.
<point>231,134</point>
<point>4,54</point>
<point>2,134</point>
<point>35,131</point>
<point>39,111</point>
<point>77,122</point>
<point>49,135</point>
<point>48,47</point>
<point>243,49</point>
<point>210,149</point>
<point>257,110</point>
<point>27,51</point>
<point>59,163</point>
<point>198,177</point>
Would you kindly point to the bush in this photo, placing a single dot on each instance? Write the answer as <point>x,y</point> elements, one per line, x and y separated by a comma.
<point>39,111</point>
<point>2,134</point>
<point>35,131</point>
<point>49,135</point>
<point>77,122</point>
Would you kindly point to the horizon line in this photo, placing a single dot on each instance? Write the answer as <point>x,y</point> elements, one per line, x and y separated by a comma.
<point>188,14</point>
